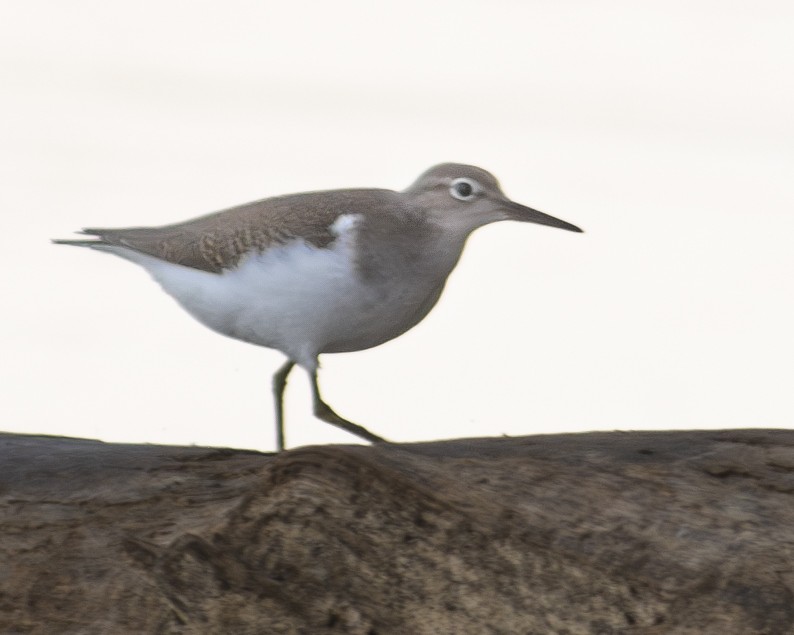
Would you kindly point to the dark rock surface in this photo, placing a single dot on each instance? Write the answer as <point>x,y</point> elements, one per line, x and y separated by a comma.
<point>622,532</point>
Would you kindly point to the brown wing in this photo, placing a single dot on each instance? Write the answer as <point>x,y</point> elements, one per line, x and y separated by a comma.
<point>217,241</point>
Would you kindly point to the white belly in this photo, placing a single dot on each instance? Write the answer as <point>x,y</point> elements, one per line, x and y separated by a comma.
<point>296,298</point>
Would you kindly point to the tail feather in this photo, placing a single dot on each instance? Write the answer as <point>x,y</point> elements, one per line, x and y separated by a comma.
<point>85,242</point>
<point>78,243</point>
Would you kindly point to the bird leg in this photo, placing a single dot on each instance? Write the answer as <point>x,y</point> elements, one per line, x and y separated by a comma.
<point>323,412</point>
<point>279,384</point>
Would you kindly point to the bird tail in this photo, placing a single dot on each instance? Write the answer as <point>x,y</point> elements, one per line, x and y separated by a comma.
<point>84,242</point>
<point>77,243</point>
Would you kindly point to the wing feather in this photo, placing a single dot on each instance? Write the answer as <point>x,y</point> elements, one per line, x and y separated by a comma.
<point>218,241</point>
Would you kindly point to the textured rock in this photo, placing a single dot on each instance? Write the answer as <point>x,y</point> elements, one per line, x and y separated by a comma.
<point>639,532</point>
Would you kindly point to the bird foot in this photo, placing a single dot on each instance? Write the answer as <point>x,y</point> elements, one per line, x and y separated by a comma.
<point>324,412</point>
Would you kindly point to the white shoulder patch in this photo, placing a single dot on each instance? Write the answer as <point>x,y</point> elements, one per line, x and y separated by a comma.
<point>344,224</point>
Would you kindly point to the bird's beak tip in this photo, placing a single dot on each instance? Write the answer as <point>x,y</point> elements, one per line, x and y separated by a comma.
<point>528,215</point>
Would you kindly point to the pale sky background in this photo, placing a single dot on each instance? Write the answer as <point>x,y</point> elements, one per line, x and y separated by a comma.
<point>664,129</point>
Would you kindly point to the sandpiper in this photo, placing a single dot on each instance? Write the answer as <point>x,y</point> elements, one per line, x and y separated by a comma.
<point>320,272</point>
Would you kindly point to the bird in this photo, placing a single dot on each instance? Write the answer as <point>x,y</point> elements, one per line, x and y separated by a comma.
<point>320,272</point>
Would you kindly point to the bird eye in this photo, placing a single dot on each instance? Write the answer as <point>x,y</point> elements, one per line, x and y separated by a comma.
<point>464,189</point>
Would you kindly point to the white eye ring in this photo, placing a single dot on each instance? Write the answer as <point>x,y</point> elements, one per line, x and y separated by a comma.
<point>464,189</point>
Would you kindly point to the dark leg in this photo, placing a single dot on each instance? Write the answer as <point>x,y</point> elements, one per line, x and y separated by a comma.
<point>323,411</point>
<point>279,384</point>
